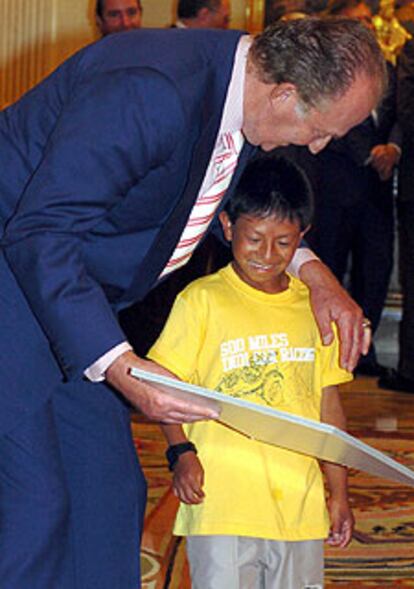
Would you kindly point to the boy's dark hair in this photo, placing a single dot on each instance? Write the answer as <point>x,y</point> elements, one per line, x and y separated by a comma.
<point>272,186</point>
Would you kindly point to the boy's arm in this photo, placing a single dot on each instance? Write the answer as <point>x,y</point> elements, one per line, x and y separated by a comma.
<point>176,350</point>
<point>188,473</point>
<point>342,520</point>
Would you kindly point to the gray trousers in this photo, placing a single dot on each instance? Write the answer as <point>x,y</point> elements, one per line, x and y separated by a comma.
<point>233,562</point>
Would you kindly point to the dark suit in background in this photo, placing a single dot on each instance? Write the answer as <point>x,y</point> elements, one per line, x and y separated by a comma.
<point>406,212</point>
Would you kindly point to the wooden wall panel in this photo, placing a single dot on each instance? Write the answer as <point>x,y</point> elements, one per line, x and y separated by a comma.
<point>25,34</point>
<point>37,35</point>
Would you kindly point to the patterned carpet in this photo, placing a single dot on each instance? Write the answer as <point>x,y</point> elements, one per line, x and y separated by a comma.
<point>380,555</point>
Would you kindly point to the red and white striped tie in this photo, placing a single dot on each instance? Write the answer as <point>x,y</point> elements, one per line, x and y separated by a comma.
<point>204,209</point>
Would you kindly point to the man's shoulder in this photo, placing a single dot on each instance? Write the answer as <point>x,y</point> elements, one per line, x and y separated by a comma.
<point>159,47</point>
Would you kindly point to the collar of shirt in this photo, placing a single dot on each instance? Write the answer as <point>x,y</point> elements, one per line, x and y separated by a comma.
<point>232,118</point>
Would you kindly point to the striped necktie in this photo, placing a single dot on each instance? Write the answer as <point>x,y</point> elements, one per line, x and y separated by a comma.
<point>205,207</point>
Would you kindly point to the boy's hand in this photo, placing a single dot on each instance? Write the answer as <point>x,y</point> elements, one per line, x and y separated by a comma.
<point>342,523</point>
<point>188,479</point>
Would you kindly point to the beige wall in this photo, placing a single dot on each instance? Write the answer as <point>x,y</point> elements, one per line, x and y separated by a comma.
<point>37,35</point>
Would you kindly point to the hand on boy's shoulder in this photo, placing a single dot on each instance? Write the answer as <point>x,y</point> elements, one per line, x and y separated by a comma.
<point>331,303</point>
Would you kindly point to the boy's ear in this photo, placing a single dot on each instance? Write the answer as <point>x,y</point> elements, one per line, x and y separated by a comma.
<point>226,225</point>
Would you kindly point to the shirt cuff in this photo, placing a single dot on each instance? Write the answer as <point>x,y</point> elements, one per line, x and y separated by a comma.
<point>302,255</point>
<point>96,372</point>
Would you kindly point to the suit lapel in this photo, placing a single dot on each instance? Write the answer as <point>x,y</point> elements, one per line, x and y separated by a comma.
<point>164,244</point>
<point>161,250</point>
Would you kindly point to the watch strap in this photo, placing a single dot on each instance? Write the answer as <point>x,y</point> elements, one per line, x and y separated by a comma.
<point>174,452</point>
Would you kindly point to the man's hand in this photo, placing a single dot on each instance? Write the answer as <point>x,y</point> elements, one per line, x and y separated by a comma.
<point>384,158</point>
<point>330,302</point>
<point>152,402</point>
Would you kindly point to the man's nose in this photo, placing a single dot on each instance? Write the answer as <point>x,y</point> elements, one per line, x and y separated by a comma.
<point>126,21</point>
<point>317,145</point>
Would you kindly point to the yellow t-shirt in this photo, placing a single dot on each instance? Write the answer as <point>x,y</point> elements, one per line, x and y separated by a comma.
<point>225,335</point>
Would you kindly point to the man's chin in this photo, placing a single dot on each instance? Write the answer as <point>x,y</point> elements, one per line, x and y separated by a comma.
<point>271,146</point>
<point>265,146</point>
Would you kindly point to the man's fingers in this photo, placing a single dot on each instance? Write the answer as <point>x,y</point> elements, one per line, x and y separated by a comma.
<point>356,346</point>
<point>324,324</point>
<point>358,335</point>
<point>176,417</point>
<point>181,412</point>
<point>348,337</point>
<point>160,406</point>
<point>366,341</point>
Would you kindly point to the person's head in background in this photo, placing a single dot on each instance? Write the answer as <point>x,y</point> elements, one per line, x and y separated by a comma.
<point>265,220</point>
<point>115,16</point>
<point>351,9</point>
<point>204,14</point>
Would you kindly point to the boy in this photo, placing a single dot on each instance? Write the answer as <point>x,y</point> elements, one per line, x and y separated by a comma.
<point>254,514</point>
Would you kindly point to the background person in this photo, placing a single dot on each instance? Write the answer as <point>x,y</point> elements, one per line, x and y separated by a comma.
<point>354,222</point>
<point>115,16</point>
<point>402,378</point>
<point>203,14</point>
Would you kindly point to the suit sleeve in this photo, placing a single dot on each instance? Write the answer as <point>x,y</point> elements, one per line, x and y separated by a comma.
<point>113,130</point>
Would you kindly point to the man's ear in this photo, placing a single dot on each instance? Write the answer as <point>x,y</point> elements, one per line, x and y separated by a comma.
<point>282,92</point>
<point>226,225</point>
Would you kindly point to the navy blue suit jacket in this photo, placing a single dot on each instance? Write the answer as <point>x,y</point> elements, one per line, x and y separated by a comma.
<point>101,164</point>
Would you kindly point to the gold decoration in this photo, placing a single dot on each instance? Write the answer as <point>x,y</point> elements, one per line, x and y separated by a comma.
<point>391,35</point>
<point>255,11</point>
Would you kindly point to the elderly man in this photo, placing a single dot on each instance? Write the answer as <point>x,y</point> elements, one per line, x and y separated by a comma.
<point>115,16</point>
<point>107,167</point>
<point>203,14</point>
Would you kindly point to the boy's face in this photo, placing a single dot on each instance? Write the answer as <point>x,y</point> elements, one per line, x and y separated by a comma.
<point>262,249</point>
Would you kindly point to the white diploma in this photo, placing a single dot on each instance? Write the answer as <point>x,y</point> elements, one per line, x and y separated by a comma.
<point>286,430</point>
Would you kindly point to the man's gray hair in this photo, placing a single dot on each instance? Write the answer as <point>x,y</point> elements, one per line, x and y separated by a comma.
<point>320,56</point>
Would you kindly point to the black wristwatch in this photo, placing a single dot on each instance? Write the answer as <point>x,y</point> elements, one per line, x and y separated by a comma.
<point>174,452</point>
